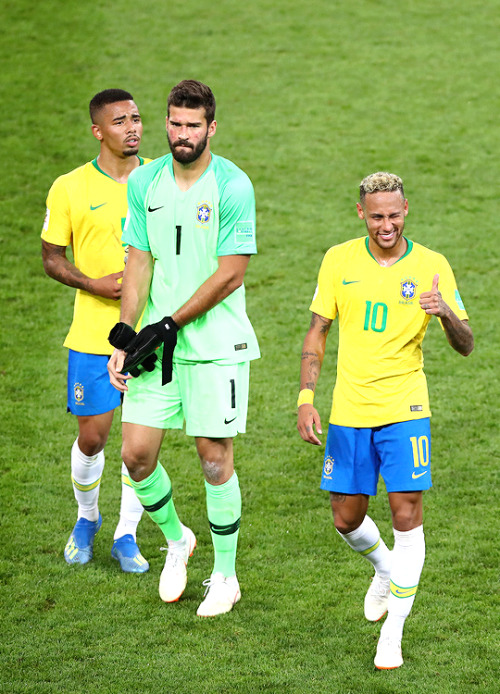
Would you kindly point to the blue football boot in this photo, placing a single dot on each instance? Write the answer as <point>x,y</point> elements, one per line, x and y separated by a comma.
<point>126,551</point>
<point>80,546</point>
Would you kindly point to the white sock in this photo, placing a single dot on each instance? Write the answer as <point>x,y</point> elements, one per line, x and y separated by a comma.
<point>366,540</point>
<point>86,471</point>
<point>130,509</point>
<point>408,558</point>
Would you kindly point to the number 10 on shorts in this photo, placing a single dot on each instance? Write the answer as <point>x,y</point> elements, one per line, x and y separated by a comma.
<point>420,448</point>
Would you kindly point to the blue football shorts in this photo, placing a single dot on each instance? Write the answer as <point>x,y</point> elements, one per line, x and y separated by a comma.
<point>401,453</point>
<point>89,389</point>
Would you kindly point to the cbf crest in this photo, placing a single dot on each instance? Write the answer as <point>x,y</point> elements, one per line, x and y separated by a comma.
<point>203,213</point>
<point>78,391</point>
<point>408,289</point>
<point>328,466</point>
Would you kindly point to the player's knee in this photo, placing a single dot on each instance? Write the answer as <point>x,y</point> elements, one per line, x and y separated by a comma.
<point>345,526</point>
<point>216,472</point>
<point>348,512</point>
<point>91,442</point>
<point>216,460</point>
<point>136,461</point>
<point>407,518</point>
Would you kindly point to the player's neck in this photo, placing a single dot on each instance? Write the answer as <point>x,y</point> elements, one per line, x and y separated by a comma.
<point>117,168</point>
<point>186,175</point>
<point>388,256</point>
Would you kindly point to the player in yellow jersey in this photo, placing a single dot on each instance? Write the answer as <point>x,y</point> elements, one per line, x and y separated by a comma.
<point>86,209</point>
<point>384,289</point>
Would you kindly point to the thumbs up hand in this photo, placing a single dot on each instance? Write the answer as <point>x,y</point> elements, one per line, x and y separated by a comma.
<point>432,302</point>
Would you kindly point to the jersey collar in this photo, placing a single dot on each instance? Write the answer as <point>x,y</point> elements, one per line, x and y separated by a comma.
<point>408,249</point>
<point>96,165</point>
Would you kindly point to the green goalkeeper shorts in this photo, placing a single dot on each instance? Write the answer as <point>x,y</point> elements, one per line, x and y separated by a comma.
<point>211,398</point>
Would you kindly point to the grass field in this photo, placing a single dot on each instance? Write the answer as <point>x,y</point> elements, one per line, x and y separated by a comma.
<point>311,97</point>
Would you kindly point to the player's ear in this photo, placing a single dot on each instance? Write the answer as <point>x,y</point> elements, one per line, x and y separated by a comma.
<point>361,213</point>
<point>212,128</point>
<point>406,207</point>
<point>96,132</point>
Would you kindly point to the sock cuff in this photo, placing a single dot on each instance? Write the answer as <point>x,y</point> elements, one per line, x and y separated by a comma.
<point>408,538</point>
<point>367,527</point>
<point>159,474</point>
<point>86,471</point>
<point>365,539</point>
<point>221,490</point>
<point>154,492</point>
<point>224,507</point>
<point>89,460</point>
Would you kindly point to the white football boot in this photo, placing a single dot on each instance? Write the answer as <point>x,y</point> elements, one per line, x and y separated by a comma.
<point>221,595</point>
<point>173,578</point>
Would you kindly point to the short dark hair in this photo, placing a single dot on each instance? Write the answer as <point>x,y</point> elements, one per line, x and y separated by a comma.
<point>193,94</point>
<point>108,96</point>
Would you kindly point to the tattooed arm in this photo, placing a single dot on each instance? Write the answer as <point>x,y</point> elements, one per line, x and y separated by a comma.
<point>313,352</point>
<point>57,266</point>
<point>458,332</point>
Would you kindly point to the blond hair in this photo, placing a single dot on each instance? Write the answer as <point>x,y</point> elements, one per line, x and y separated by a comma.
<point>380,182</point>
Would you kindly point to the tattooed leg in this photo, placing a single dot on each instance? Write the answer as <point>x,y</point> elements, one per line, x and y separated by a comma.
<point>349,510</point>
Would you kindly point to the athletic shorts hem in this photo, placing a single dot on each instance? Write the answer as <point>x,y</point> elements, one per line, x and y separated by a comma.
<point>89,391</point>
<point>355,458</point>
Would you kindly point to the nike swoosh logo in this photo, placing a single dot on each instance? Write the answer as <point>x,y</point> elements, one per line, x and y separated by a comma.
<point>400,592</point>
<point>98,206</point>
<point>350,281</point>
<point>415,476</point>
<point>228,421</point>
<point>153,209</point>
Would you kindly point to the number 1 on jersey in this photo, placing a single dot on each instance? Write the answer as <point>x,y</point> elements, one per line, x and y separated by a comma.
<point>178,241</point>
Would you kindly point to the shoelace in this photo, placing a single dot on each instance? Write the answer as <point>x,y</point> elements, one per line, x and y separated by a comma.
<point>172,556</point>
<point>379,588</point>
<point>209,582</point>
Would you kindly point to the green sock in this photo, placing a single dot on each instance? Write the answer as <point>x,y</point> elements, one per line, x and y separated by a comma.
<point>224,513</point>
<point>155,494</point>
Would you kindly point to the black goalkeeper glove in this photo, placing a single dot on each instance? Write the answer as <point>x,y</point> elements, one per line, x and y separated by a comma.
<point>147,341</point>
<point>121,336</point>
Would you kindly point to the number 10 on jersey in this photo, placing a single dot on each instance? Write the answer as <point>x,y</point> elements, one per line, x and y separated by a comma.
<point>375,317</point>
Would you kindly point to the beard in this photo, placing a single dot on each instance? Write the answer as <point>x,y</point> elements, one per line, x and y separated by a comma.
<point>191,153</point>
<point>130,152</point>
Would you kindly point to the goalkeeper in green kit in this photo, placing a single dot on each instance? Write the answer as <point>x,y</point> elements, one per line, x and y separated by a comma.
<point>191,232</point>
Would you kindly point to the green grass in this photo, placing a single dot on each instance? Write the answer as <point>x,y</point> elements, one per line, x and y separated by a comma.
<point>311,97</point>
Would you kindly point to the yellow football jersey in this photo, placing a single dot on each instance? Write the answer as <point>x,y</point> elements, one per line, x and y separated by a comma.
<point>380,378</point>
<point>86,209</point>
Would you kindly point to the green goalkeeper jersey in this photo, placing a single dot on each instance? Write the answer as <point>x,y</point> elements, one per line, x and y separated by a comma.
<point>186,232</point>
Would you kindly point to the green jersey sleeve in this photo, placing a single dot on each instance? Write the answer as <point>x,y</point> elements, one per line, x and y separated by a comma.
<point>237,210</point>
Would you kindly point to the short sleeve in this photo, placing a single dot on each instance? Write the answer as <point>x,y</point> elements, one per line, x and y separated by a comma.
<point>57,224</point>
<point>237,233</point>
<point>135,229</point>
<point>324,301</point>
<point>447,285</point>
